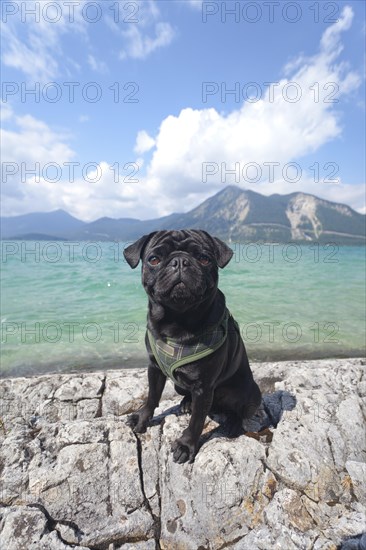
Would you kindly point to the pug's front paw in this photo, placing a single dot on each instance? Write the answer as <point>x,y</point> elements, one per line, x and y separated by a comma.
<point>137,422</point>
<point>183,451</point>
<point>186,405</point>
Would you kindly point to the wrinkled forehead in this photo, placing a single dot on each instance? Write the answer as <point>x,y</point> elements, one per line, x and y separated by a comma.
<point>186,240</point>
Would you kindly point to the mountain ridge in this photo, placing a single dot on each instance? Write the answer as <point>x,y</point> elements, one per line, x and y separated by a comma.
<point>233,214</point>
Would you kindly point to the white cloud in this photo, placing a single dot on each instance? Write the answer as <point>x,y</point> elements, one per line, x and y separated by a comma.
<point>330,43</point>
<point>6,112</point>
<point>32,42</point>
<point>274,129</point>
<point>265,131</point>
<point>139,44</point>
<point>32,142</point>
<point>32,146</point>
<point>97,65</point>
<point>144,142</point>
<point>145,32</point>
<point>196,4</point>
<point>39,65</point>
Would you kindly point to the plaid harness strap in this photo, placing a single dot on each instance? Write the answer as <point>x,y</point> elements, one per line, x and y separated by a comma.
<point>170,354</point>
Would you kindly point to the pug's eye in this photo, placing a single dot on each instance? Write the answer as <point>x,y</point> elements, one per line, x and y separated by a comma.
<point>203,259</point>
<point>154,260</point>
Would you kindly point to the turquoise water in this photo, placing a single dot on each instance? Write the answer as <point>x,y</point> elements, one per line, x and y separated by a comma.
<point>73,306</point>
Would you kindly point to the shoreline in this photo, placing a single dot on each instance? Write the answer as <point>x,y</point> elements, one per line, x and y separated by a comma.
<point>141,362</point>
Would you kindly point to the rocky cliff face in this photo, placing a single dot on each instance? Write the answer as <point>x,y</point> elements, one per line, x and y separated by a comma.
<point>74,475</point>
<point>302,215</point>
<point>234,214</point>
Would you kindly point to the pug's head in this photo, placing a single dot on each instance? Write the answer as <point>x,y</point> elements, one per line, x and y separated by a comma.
<point>179,268</point>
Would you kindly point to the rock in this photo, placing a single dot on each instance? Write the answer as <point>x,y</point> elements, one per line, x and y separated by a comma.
<point>27,528</point>
<point>357,473</point>
<point>74,475</point>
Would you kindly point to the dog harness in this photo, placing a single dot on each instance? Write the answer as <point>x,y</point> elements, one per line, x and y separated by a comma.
<point>170,354</point>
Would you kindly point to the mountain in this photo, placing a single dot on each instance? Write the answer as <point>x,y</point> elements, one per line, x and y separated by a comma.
<point>123,229</point>
<point>234,214</point>
<point>237,215</point>
<point>57,223</point>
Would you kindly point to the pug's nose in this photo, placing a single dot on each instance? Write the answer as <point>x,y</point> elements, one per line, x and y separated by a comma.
<point>179,263</point>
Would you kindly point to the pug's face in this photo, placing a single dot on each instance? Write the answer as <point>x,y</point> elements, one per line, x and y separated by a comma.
<point>179,268</point>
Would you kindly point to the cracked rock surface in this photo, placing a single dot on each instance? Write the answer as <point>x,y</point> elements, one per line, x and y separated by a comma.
<point>74,475</point>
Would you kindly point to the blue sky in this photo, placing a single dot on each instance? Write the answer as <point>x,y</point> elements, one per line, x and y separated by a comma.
<point>174,134</point>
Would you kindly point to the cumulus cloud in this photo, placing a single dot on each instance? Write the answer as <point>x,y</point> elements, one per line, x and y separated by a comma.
<point>293,118</point>
<point>41,173</point>
<point>144,142</point>
<point>31,144</point>
<point>274,129</point>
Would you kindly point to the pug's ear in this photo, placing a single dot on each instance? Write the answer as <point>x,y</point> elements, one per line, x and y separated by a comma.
<point>133,253</point>
<point>223,252</point>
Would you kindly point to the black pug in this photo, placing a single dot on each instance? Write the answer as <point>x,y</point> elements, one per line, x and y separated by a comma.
<point>191,336</point>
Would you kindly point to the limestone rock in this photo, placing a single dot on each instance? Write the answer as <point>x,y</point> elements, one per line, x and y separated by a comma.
<point>74,475</point>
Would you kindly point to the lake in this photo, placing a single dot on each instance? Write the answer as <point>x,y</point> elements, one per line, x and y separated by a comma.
<point>71,306</point>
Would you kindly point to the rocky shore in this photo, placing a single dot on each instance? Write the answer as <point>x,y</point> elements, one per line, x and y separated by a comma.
<point>73,475</point>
